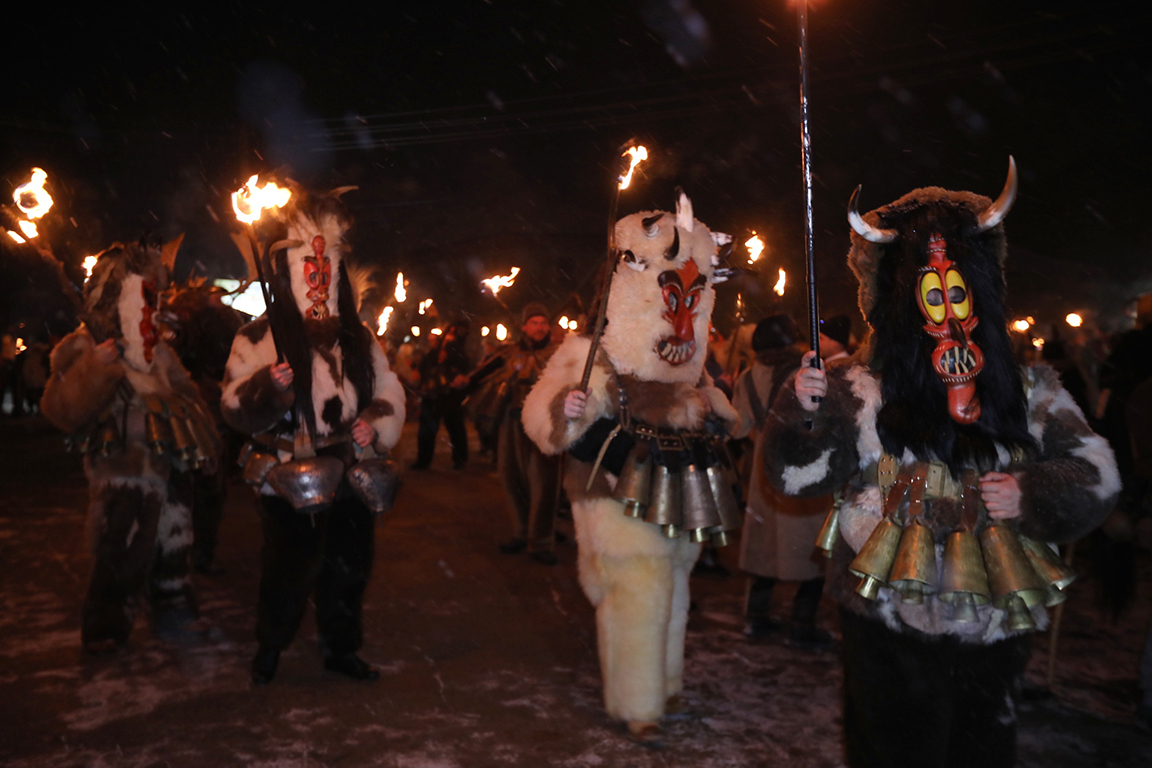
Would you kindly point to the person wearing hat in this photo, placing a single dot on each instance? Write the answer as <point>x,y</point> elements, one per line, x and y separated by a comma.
<point>835,333</point>
<point>531,479</point>
<point>443,376</point>
<point>777,542</point>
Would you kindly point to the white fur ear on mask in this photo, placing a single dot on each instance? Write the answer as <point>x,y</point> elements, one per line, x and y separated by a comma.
<point>684,218</point>
<point>721,238</point>
<point>632,261</point>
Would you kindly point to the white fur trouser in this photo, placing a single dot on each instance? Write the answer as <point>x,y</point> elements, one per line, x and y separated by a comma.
<point>638,582</point>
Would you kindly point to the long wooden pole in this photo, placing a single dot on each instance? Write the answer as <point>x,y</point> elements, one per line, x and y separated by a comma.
<point>806,162</point>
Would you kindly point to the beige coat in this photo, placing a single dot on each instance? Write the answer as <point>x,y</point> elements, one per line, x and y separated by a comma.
<point>780,531</point>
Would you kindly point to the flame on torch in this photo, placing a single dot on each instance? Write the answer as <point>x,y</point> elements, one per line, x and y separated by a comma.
<point>250,200</point>
<point>29,229</point>
<point>1074,320</point>
<point>755,246</point>
<point>639,154</point>
<point>436,331</point>
<point>89,264</point>
<point>485,331</point>
<point>20,346</point>
<point>1021,326</point>
<point>31,198</point>
<point>401,294</point>
<point>496,283</point>
<point>779,287</point>
<point>501,332</point>
<point>382,321</point>
<point>564,322</point>
<point>415,330</point>
<point>16,237</point>
<point>424,305</point>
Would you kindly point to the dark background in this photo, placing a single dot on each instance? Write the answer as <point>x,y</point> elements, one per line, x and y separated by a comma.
<point>482,133</point>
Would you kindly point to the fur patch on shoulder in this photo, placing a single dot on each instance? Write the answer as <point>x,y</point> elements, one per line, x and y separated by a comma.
<point>797,479</point>
<point>867,389</point>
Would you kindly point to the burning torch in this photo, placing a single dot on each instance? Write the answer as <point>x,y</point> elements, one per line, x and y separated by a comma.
<point>249,203</point>
<point>635,155</point>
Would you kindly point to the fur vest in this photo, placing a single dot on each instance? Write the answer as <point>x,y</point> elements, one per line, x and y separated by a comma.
<point>1067,488</point>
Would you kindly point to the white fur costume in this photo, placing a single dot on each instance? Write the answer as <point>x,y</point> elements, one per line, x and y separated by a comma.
<point>636,577</point>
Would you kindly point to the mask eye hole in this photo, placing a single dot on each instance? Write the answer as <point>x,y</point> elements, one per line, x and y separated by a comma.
<point>932,297</point>
<point>958,295</point>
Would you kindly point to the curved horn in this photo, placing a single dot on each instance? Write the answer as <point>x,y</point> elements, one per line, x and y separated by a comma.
<point>650,228</point>
<point>995,213</point>
<point>674,249</point>
<point>864,229</point>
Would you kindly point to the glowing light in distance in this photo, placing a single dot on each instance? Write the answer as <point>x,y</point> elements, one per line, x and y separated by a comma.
<point>639,154</point>
<point>755,246</point>
<point>1074,320</point>
<point>496,283</point>
<point>415,330</point>
<point>20,346</point>
<point>564,322</point>
<point>250,200</point>
<point>90,263</point>
<point>32,198</point>
<point>501,332</point>
<point>250,301</point>
<point>1021,325</point>
<point>780,283</point>
<point>1031,320</point>
<point>1038,343</point>
<point>485,331</point>
<point>401,294</point>
<point>382,321</point>
<point>424,305</point>
<point>15,236</point>
<point>436,331</point>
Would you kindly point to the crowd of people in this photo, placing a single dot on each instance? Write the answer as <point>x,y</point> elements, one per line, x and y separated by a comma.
<point>933,432</point>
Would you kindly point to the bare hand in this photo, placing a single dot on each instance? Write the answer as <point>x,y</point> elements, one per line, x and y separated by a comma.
<point>460,381</point>
<point>575,403</point>
<point>363,433</point>
<point>282,376</point>
<point>1001,494</point>
<point>705,400</point>
<point>107,352</point>
<point>810,382</point>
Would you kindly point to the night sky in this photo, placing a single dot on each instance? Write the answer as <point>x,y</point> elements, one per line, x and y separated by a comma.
<point>482,133</point>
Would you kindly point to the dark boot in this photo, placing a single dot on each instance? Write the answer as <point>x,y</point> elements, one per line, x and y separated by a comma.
<point>805,635</point>
<point>264,665</point>
<point>757,622</point>
<point>351,665</point>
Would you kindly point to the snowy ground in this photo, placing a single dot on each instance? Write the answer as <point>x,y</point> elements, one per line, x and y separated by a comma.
<point>487,660</point>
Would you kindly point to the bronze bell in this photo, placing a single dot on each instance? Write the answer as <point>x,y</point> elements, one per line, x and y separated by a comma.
<point>205,442</point>
<point>964,582</point>
<point>635,483</point>
<point>1016,587</point>
<point>700,513</point>
<point>183,441</point>
<point>874,560</point>
<point>830,531</point>
<point>913,572</point>
<point>1048,565</point>
<point>157,432</point>
<point>307,484</point>
<point>731,516</point>
<point>664,508</point>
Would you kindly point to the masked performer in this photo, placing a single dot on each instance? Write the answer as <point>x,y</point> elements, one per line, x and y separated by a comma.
<point>642,438</point>
<point>133,411</point>
<point>312,414</point>
<point>956,469</point>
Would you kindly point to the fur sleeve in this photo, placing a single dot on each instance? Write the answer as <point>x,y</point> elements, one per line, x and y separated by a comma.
<point>1073,484</point>
<point>543,414</point>
<point>811,454</point>
<point>250,402</point>
<point>721,408</point>
<point>386,412</point>
<point>80,386</point>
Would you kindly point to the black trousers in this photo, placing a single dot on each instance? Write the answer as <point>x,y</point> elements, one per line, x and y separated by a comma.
<point>928,703</point>
<point>327,555</point>
<point>433,410</point>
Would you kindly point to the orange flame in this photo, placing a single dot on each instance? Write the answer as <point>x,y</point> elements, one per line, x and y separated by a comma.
<point>1074,320</point>
<point>501,332</point>
<point>424,306</point>
<point>250,200</point>
<point>779,287</point>
<point>401,294</point>
<point>28,228</point>
<point>382,321</point>
<point>415,330</point>
<point>496,283</point>
<point>485,331</point>
<point>1021,325</point>
<point>755,246</point>
<point>15,236</point>
<point>89,264</point>
<point>639,154</point>
<point>31,198</point>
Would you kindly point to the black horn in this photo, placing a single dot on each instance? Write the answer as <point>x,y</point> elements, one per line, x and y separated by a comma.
<point>674,249</point>
<point>650,228</point>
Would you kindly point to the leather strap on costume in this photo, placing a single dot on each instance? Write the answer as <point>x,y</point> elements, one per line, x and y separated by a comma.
<point>970,501</point>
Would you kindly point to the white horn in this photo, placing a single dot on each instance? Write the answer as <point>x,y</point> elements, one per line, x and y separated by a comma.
<point>995,213</point>
<point>864,229</point>
<point>684,218</point>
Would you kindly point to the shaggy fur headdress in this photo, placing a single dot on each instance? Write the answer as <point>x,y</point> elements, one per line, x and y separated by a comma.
<point>124,279</point>
<point>915,412</point>
<point>665,271</point>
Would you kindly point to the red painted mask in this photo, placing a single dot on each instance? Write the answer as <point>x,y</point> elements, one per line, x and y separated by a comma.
<point>147,326</point>
<point>682,289</point>
<point>944,299</point>
<point>318,276</point>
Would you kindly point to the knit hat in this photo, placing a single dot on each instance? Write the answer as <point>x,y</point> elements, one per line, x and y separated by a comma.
<point>773,333</point>
<point>534,309</point>
<point>837,328</point>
